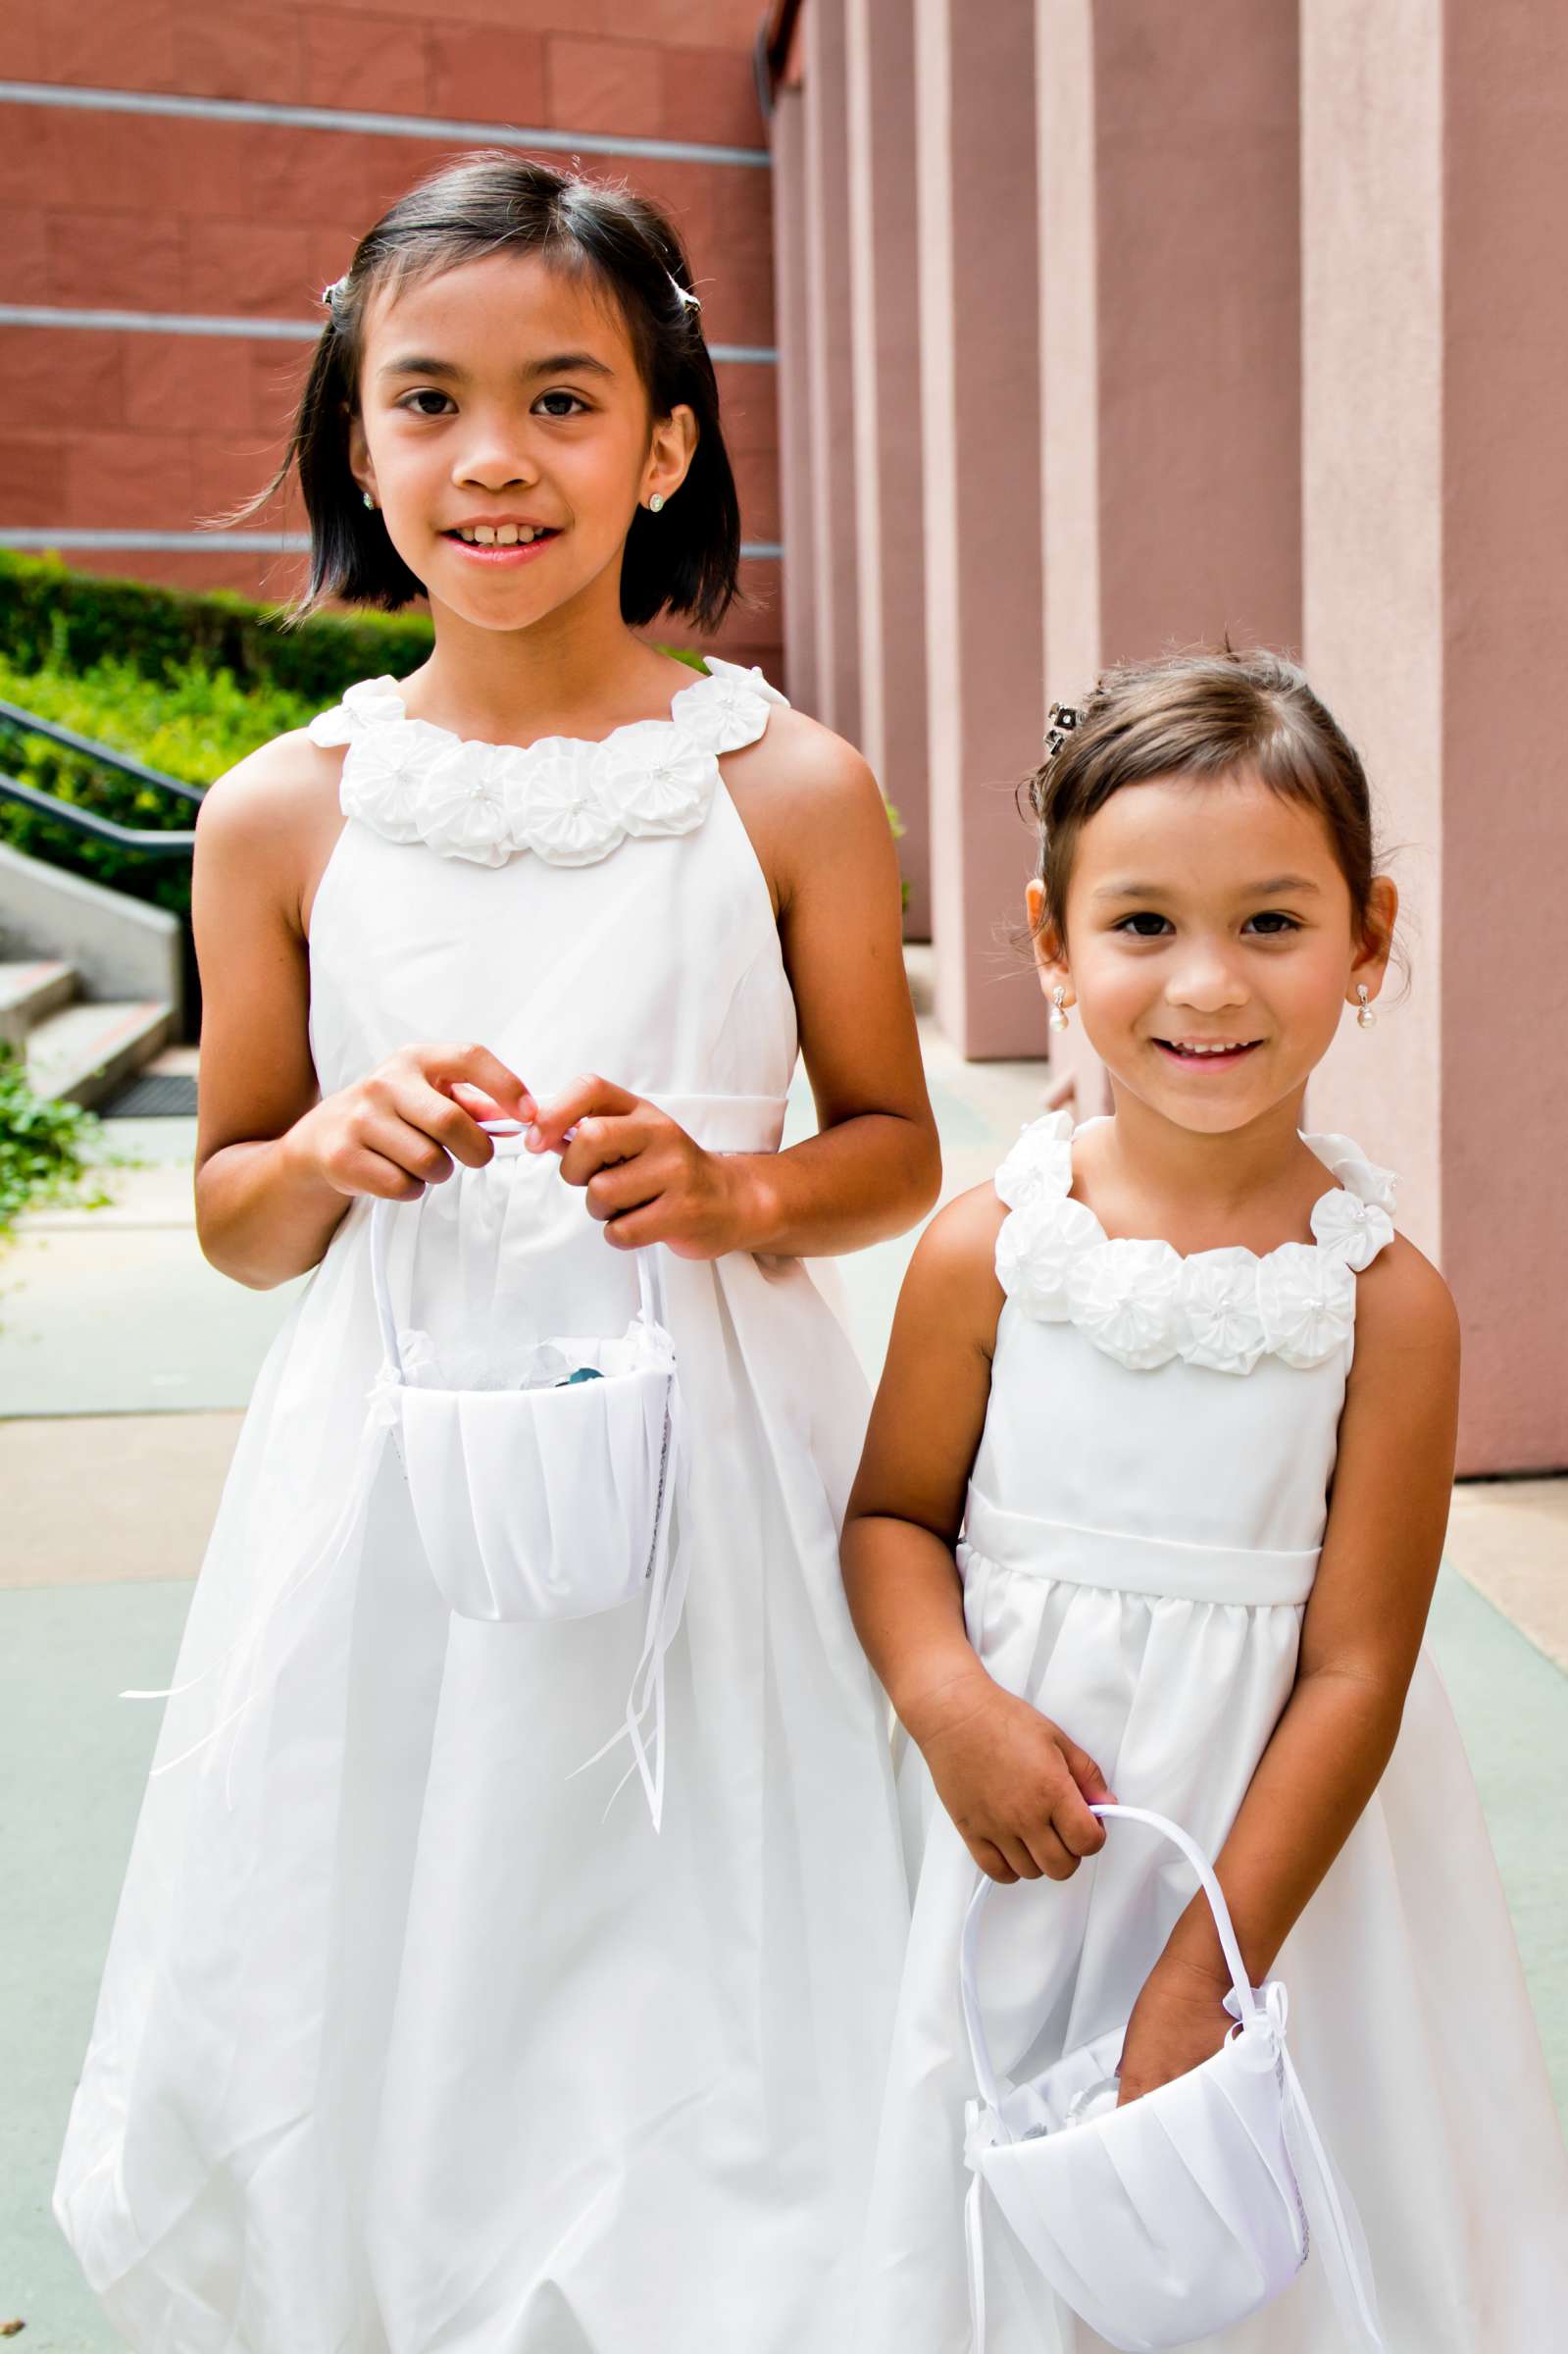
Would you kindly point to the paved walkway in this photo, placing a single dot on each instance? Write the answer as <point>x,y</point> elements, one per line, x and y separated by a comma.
<point>123,1364</point>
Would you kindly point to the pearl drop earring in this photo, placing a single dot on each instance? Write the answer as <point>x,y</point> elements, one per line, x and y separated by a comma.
<point>656,502</point>
<point>1058,1016</point>
<point>1364,1013</point>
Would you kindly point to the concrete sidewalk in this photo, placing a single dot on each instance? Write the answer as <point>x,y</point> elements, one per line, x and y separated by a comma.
<point>124,1362</point>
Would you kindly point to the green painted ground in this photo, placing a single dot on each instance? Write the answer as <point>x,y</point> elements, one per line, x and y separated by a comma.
<point>87,1323</point>
<point>71,1764</point>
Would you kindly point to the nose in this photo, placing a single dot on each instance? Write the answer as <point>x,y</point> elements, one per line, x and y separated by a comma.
<point>1206,981</point>
<point>495,459</point>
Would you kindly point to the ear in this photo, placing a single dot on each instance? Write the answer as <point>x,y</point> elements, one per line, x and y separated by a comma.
<point>358,456</point>
<point>672,447</point>
<point>1050,950</point>
<point>1370,965</point>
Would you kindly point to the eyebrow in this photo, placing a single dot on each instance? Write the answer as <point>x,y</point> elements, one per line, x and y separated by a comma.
<point>560,363</point>
<point>1275,887</point>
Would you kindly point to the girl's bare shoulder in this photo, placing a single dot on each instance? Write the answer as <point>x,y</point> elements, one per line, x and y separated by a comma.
<point>1404,1309</point>
<point>810,803</point>
<point>290,779</point>
<point>952,1276</point>
<point>270,823</point>
<point>799,761</point>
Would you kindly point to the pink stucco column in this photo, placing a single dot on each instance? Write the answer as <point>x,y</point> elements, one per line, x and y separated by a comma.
<point>1171,344</point>
<point>980,391</point>
<point>830,370</point>
<point>884,291</point>
<point>1436,310</point>
<point>800,586</point>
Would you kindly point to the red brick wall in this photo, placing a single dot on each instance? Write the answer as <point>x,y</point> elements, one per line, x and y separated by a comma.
<point>151,212</point>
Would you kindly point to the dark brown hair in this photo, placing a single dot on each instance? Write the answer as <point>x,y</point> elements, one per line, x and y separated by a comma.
<point>1213,714</point>
<point>686,559</point>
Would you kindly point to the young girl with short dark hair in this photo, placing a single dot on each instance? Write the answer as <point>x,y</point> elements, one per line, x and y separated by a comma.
<point>413,2033</point>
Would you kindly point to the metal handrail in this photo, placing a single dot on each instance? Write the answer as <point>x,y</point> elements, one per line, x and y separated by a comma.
<point>154,842</point>
<point>105,753</point>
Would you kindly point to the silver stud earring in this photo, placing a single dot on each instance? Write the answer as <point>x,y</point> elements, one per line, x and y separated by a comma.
<point>366,496</point>
<point>1058,1019</point>
<point>656,502</point>
<point>1364,1013</point>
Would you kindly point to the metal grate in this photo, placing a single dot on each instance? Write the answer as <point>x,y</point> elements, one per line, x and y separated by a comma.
<point>155,1096</point>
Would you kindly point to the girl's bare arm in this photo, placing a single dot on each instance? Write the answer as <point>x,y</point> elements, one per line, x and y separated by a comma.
<point>820,830</point>
<point>275,1164</point>
<point>1015,1784</point>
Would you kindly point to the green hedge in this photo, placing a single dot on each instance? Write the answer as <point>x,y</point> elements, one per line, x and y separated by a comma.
<point>52,616</point>
<point>189,683</point>
<point>192,722</point>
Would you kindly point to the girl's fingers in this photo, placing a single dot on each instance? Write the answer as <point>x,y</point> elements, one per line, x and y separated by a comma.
<point>1081,1832</point>
<point>625,1186</point>
<point>480,1107</point>
<point>600,1141</point>
<point>586,1098</point>
<point>444,1066</point>
<point>635,1229</point>
<point>384,1180</point>
<point>449,1124</point>
<point>992,1861</point>
<point>1051,1853</point>
<point>1085,1773</point>
<point>1020,1856</point>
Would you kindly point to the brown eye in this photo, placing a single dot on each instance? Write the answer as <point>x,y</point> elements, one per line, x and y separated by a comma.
<point>1273,922</point>
<point>1146,925</point>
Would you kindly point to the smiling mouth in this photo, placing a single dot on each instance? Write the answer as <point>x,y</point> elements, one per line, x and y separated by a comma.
<point>502,544</point>
<point>1218,1055</point>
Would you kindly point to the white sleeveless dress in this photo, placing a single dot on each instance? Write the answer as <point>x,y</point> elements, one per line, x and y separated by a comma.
<point>403,2044</point>
<point>1141,1535</point>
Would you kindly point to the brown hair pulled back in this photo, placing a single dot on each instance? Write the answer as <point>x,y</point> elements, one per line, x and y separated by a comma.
<point>1211,714</point>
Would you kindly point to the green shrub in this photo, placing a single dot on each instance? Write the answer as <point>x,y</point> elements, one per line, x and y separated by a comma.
<point>52,616</point>
<point>192,722</point>
<point>46,1147</point>
<point>188,683</point>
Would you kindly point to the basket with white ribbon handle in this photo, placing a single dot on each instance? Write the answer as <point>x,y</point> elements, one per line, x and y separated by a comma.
<point>1175,2216</point>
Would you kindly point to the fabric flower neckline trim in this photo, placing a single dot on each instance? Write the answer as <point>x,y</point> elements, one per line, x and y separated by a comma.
<point>569,800</point>
<point>1143,1304</point>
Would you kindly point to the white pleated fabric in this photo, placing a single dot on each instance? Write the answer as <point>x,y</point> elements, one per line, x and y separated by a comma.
<point>1183,2212</point>
<point>405,2042</point>
<point>1142,1533</point>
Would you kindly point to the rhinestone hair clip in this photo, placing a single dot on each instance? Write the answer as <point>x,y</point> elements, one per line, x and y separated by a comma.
<point>1061,719</point>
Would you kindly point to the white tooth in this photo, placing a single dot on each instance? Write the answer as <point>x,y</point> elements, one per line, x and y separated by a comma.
<point>506,536</point>
<point>485,535</point>
<point>465,532</point>
<point>526,534</point>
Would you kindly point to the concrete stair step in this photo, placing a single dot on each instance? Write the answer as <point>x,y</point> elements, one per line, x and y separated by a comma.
<point>30,990</point>
<point>83,1051</point>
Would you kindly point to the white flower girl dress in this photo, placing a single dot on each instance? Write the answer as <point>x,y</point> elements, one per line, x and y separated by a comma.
<point>1142,1531</point>
<point>404,2042</point>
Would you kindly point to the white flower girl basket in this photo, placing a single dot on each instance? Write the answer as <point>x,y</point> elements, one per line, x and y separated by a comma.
<point>1176,2217</point>
<point>547,1492</point>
